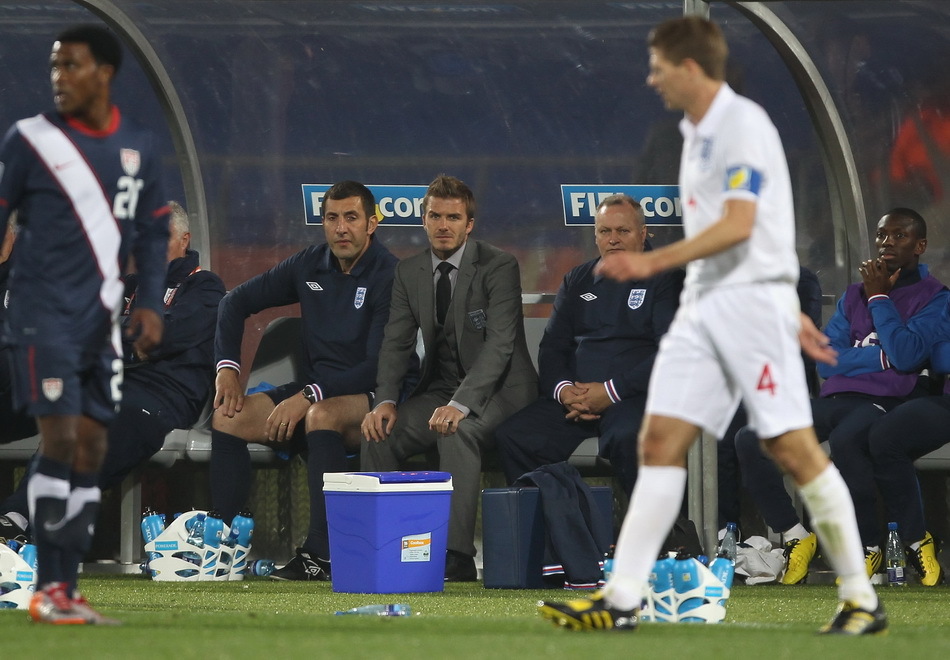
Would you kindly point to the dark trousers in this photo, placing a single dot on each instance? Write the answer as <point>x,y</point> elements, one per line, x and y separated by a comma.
<point>845,422</point>
<point>14,424</point>
<point>540,435</point>
<point>459,453</point>
<point>729,474</point>
<point>896,440</point>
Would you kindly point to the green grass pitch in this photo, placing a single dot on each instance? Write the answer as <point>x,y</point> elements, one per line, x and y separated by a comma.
<point>260,618</point>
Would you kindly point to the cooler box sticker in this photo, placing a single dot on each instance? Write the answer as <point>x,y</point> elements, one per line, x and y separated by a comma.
<point>417,547</point>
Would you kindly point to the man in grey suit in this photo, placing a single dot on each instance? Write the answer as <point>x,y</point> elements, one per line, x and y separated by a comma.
<point>465,297</point>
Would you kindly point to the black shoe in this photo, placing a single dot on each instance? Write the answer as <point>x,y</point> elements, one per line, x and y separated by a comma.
<point>588,614</point>
<point>9,531</point>
<point>853,620</point>
<point>460,567</point>
<point>303,568</point>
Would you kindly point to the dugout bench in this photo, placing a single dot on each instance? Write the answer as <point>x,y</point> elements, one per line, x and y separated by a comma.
<point>274,362</point>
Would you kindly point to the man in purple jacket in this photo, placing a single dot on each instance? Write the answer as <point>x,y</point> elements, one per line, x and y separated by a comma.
<point>883,329</point>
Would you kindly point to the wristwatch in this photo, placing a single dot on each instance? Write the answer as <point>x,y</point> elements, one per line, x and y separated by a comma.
<point>310,393</point>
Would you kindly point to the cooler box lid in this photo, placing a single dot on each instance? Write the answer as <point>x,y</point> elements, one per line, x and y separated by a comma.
<point>387,482</point>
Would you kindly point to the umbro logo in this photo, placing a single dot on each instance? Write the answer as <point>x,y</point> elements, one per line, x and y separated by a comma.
<point>314,286</point>
<point>588,296</point>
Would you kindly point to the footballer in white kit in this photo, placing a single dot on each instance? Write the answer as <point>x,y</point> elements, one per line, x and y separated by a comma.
<point>735,334</point>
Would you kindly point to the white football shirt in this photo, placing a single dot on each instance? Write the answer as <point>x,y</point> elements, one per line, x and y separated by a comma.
<point>735,152</point>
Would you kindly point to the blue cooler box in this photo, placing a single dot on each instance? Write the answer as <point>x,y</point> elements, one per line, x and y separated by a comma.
<point>388,530</point>
<point>513,535</point>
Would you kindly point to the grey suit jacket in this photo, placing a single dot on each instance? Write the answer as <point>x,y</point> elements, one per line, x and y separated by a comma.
<point>487,328</point>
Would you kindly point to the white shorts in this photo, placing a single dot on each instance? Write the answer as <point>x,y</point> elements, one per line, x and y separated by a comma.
<point>732,343</point>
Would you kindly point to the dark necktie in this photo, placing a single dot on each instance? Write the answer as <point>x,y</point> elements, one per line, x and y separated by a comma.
<point>443,291</point>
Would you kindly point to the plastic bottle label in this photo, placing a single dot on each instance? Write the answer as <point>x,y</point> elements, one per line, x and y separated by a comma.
<point>895,575</point>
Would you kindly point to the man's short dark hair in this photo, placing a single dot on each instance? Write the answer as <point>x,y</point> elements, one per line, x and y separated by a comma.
<point>103,44</point>
<point>448,187</point>
<point>347,189</point>
<point>694,38</point>
<point>916,220</point>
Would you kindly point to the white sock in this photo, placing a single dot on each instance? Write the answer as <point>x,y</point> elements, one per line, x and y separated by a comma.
<point>832,517</point>
<point>654,505</point>
<point>796,532</point>
<point>44,486</point>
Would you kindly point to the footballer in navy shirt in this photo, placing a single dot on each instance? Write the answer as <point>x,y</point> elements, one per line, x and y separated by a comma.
<point>86,186</point>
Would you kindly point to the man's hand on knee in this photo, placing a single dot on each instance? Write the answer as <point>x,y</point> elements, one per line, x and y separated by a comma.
<point>228,395</point>
<point>378,422</point>
<point>445,420</point>
<point>283,419</point>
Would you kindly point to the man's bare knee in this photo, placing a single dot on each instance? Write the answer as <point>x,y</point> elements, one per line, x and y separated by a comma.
<point>338,414</point>
<point>221,422</point>
<point>322,417</point>
<point>248,424</point>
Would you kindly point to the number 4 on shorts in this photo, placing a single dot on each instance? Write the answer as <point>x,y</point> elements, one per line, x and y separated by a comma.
<point>765,380</point>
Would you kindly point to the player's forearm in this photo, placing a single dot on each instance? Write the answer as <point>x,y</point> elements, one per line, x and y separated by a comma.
<point>729,231</point>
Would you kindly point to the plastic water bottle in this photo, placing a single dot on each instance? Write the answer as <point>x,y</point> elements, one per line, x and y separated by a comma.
<point>28,554</point>
<point>894,558</point>
<point>262,567</point>
<point>231,539</point>
<point>725,570</point>
<point>728,546</point>
<point>393,609</point>
<point>244,524</point>
<point>5,588</point>
<point>242,529</point>
<point>687,583</point>
<point>196,534</point>
<point>608,563</point>
<point>226,557</point>
<point>662,578</point>
<point>213,529</point>
<point>196,537</point>
<point>153,524</point>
